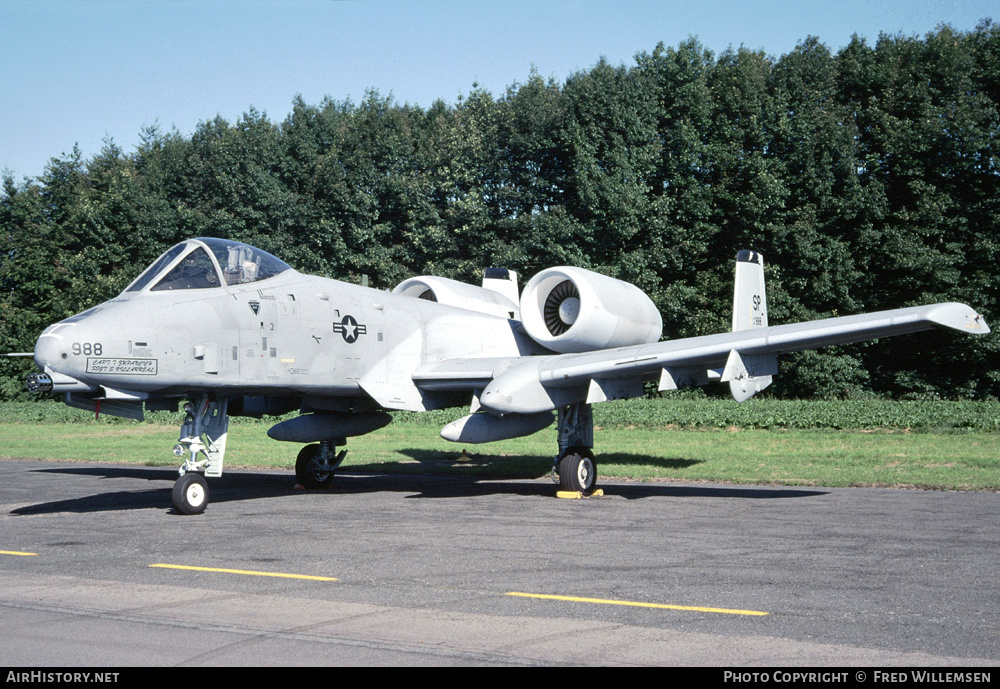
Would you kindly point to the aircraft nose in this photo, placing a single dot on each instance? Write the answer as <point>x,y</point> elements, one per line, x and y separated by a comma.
<point>58,374</point>
<point>48,351</point>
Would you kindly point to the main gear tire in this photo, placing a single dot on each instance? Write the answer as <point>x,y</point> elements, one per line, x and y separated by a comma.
<point>577,470</point>
<point>309,468</point>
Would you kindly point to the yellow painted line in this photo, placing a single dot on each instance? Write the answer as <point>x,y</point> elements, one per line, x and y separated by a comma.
<point>636,604</point>
<point>16,552</point>
<point>247,572</point>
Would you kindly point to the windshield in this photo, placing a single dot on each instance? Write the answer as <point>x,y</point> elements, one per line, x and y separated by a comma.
<point>208,262</point>
<point>195,271</point>
<point>159,264</point>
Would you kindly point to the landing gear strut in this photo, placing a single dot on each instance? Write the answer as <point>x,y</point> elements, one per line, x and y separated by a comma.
<point>203,441</point>
<point>316,463</point>
<point>575,465</point>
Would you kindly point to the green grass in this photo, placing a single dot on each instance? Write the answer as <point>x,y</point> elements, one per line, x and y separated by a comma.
<point>939,445</point>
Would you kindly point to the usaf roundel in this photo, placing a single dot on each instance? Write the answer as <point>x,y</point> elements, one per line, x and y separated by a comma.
<point>350,329</point>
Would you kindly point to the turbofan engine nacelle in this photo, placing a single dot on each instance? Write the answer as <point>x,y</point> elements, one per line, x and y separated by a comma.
<point>571,309</point>
<point>462,295</point>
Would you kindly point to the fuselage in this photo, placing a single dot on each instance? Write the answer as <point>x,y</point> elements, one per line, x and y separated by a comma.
<point>286,335</point>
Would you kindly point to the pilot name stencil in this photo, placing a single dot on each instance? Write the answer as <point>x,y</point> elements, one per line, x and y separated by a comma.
<point>125,367</point>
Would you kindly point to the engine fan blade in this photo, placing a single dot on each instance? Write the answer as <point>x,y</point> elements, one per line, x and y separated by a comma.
<point>554,320</point>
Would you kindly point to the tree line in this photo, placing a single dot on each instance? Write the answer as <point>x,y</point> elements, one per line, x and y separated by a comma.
<point>867,177</point>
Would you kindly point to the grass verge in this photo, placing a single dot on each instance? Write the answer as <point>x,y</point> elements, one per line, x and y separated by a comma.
<point>947,459</point>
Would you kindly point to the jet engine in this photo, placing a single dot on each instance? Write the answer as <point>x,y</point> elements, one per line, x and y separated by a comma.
<point>575,310</point>
<point>495,301</point>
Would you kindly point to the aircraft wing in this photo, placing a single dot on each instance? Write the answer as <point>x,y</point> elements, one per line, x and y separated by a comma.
<point>746,359</point>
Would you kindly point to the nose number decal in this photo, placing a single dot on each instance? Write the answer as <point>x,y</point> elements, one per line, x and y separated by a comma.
<point>87,348</point>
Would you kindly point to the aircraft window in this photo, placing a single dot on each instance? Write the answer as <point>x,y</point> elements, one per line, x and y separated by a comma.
<point>195,271</point>
<point>240,263</point>
<point>243,263</point>
<point>158,265</point>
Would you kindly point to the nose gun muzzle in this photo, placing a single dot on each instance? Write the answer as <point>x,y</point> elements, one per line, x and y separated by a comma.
<point>55,382</point>
<point>39,382</point>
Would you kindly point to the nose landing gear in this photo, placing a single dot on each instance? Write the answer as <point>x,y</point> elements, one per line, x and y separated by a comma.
<point>203,440</point>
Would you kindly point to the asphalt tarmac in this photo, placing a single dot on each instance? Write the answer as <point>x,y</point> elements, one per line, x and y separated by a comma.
<point>97,569</point>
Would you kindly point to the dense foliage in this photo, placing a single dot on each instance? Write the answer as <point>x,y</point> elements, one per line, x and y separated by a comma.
<point>868,178</point>
<point>674,410</point>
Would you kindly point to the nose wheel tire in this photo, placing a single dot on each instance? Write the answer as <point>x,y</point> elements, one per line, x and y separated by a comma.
<point>577,470</point>
<point>190,494</point>
<point>309,468</point>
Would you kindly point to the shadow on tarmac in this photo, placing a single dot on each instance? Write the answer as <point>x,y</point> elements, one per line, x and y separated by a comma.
<point>243,485</point>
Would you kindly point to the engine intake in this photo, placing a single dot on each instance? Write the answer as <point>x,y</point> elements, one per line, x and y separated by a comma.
<point>571,309</point>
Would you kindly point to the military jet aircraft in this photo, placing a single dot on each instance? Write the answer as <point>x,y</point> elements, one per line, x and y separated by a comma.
<point>228,329</point>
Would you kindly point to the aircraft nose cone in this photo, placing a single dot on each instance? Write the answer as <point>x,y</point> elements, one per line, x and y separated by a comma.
<point>48,351</point>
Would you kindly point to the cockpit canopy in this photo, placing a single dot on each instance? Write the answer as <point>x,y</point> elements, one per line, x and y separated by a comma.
<point>208,262</point>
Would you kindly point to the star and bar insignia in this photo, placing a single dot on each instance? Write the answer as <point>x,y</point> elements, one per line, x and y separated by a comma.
<point>350,329</point>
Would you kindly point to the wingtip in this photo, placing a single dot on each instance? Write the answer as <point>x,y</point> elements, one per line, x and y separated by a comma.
<point>959,317</point>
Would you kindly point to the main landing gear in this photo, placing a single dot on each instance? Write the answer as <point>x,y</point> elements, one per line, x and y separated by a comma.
<point>203,441</point>
<point>574,466</point>
<point>316,463</point>
<point>577,471</point>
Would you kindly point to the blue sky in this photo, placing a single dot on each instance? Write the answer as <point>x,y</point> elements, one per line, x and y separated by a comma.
<point>79,71</point>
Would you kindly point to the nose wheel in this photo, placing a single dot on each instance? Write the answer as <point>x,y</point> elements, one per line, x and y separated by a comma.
<point>190,494</point>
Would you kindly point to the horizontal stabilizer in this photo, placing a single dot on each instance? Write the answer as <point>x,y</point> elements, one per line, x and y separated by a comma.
<point>748,375</point>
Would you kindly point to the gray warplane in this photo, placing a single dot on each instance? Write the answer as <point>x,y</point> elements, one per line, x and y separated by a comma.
<point>231,330</point>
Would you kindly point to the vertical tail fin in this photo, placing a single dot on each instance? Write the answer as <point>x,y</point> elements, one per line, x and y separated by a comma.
<point>749,297</point>
<point>503,282</point>
<point>749,374</point>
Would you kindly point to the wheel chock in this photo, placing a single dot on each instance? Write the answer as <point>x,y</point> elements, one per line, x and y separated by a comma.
<point>577,495</point>
<point>569,494</point>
